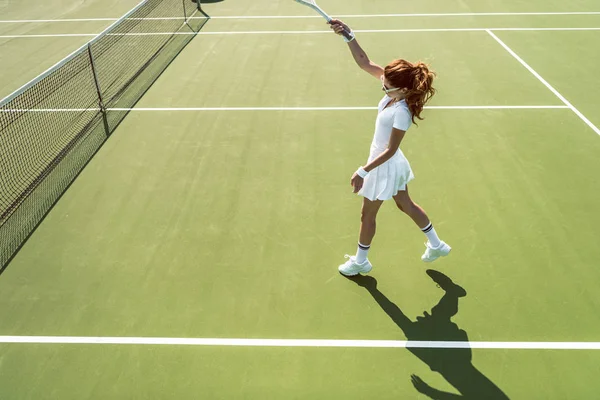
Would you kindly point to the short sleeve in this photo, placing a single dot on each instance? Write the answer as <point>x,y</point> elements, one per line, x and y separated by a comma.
<point>402,119</point>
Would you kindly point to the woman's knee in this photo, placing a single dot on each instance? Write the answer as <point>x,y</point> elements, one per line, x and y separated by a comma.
<point>399,205</point>
<point>405,204</point>
<point>368,213</point>
<point>368,217</point>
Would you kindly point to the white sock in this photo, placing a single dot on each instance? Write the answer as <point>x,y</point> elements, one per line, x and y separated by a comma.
<point>432,236</point>
<point>361,253</point>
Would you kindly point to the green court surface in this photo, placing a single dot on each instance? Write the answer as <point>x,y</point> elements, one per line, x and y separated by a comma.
<point>220,209</point>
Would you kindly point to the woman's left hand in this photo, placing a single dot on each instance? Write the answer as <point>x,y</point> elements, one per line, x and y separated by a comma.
<point>357,182</point>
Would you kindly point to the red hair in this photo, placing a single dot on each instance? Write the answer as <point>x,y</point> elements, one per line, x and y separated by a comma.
<point>416,79</point>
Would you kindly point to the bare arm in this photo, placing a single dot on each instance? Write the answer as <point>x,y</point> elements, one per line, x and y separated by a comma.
<point>359,55</point>
<point>395,139</point>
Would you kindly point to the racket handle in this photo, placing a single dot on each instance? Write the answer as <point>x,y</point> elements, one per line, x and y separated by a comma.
<point>345,33</point>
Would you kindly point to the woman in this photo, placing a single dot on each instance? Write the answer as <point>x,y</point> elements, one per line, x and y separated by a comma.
<point>407,88</point>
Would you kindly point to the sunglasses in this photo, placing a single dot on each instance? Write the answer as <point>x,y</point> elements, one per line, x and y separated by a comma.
<point>385,88</point>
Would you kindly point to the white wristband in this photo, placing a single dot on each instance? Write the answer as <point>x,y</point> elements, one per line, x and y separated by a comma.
<point>351,37</point>
<point>361,172</point>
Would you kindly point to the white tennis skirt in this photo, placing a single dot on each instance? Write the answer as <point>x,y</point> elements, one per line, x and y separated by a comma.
<point>385,181</point>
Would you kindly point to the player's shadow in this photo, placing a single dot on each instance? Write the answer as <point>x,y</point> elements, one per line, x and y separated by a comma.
<point>455,365</point>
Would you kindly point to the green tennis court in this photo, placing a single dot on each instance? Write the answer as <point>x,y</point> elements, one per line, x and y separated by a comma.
<point>195,256</point>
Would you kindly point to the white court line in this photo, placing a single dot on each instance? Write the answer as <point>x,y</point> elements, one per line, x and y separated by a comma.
<point>539,77</point>
<point>50,110</point>
<point>303,32</point>
<point>474,29</point>
<point>299,343</point>
<point>483,14</point>
<point>324,108</point>
<point>49,35</point>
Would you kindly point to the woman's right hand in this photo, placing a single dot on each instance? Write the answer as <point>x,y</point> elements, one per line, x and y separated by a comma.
<point>338,26</point>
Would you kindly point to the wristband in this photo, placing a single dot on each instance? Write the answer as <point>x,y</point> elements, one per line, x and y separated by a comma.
<point>362,172</point>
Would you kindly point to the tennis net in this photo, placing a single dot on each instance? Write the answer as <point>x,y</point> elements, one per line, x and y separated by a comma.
<point>52,127</point>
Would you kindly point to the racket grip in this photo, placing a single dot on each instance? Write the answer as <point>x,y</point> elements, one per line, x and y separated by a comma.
<point>347,35</point>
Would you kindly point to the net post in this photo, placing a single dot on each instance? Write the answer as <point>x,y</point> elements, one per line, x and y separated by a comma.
<point>99,91</point>
<point>199,5</point>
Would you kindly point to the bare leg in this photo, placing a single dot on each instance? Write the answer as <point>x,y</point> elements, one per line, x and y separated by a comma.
<point>360,263</point>
<point>435,247</point>
<point>367,220</point>
<point>412,209</point>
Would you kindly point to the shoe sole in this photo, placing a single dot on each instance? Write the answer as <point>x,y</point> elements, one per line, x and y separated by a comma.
<point>432,260</point>
<point>359,272</point>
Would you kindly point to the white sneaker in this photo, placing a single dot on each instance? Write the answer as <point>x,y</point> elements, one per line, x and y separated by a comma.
<point>351,268</point>
<point>433,253</point>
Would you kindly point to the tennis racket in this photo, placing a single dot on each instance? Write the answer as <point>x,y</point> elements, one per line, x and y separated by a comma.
<point>313,4</point>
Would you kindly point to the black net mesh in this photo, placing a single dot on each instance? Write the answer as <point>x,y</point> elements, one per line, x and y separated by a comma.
<point>52,128</point>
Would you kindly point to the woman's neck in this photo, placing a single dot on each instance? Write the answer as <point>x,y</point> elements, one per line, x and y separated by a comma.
<point>395,99</point>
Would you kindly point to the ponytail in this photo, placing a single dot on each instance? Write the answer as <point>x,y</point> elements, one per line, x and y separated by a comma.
<point>416,79</point>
